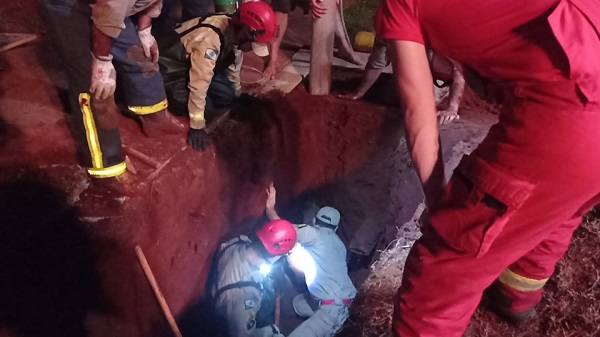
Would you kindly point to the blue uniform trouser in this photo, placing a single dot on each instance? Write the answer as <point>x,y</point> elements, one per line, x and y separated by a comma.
<point>95,122</point>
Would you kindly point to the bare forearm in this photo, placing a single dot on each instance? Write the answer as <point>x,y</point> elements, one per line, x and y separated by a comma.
<point>100,43</point>
<point>370,77</point>
<point>457,88</point>
<point>144,22</point>
<point>272,214</point>
<point>414,83</point>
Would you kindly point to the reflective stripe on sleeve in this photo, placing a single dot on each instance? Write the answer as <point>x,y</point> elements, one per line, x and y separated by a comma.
<point>520,283</point>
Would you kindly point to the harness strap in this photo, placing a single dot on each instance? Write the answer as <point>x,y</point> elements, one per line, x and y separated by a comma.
<point>236,285</point>
<point>345,301</point>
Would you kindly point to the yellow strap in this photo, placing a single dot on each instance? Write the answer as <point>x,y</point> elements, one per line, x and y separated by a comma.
<point>108,172</point>
<point>519,282</point>
<point>149,109</point>
<point>90,130</point>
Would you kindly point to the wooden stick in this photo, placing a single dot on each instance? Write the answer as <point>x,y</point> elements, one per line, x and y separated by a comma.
<point>277,308</point>
<point>130,166</point>
<point>157,292</point>
<point>26,38</point>
<point>321,50</point>
<point>137,154</point>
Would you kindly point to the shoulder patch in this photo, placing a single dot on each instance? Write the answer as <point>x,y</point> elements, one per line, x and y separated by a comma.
<point>211,54</point>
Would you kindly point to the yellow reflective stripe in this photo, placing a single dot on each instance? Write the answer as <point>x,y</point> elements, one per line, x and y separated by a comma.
<point>108,172</point>
<point>149,109</point>
<point>519,282</point>
<point>90,130</point>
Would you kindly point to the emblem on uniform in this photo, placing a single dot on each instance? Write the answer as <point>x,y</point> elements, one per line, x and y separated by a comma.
<point>211,54</point>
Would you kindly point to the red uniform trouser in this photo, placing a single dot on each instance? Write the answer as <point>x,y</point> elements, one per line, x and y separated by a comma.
<point>509,211</point>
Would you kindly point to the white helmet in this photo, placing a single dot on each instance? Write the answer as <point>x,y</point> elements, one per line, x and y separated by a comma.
<point>328,217</point>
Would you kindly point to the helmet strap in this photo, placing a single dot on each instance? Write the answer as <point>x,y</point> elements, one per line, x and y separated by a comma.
<point>321,223</point>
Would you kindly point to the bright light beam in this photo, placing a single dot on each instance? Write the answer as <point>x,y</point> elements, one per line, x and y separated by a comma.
<point>301,259</point>
<point>265,269</point>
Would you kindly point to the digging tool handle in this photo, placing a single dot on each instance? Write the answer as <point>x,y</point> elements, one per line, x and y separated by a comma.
<point>157,292</point>
<point>137,154</point>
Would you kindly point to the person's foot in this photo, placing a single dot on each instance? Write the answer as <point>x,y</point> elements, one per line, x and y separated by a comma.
<point>271,70</point>
<point>501,304</point>
<point>161,123</point>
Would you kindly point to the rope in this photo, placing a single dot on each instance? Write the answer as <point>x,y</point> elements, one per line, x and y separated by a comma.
<point>262,76</point>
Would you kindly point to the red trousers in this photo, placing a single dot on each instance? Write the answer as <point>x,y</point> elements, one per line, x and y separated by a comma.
<point>508,212</point>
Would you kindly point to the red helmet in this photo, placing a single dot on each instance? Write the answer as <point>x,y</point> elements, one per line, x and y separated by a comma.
<point>260,18</point>
<point>278,236</point>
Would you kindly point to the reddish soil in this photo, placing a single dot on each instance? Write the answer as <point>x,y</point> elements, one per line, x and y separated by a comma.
<point>69,269</point>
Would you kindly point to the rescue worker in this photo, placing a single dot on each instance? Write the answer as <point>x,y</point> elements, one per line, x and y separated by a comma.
<point>444,70</point>
<point>205,55</point>
<point>509,211</point>
<point>321,256</point>
<point>96,42</point>
<point>242,265</point>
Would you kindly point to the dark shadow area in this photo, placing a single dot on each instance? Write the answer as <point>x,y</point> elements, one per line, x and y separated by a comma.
<point>382,92</point>
<point>49,280</point>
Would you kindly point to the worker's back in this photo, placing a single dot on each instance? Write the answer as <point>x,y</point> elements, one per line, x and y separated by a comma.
<point>331,280</point>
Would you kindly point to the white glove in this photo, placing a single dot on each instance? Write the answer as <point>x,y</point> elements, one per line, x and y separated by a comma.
<point>104,77</point>
<point>149,44</point>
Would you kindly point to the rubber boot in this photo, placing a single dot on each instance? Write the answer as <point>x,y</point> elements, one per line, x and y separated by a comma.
<point>160,123</point>
<point>501,304</point>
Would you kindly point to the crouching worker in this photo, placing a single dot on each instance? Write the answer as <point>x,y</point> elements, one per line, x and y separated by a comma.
<point>201,62</point>
<point>321,256</point>
<point>243,265</point>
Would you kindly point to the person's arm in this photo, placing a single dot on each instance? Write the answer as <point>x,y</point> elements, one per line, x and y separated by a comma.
<point>270,203</point>
<point>456,92</point>
<point>378,60</point>
<point>411,69</point>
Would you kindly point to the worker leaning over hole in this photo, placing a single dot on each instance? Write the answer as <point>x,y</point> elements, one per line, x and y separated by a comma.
<point>201,61</point>
<point>98,40</point>
<point>508,213</point>
<point>321,256</point>
<point>447,78</point>
<point>243,266</point>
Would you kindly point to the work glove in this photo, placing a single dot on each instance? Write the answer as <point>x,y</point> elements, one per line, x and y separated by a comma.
<point>149,44</point>
<point>104,77</point>
<point>198,139</point>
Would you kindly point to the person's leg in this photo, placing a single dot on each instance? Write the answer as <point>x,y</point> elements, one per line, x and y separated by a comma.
<point>325,322</point>
<point>142,83</point>
<point>499,206</point>
<point>342,40</point>
<point>520,286</point>
<point>220,94</point>
<point>95,123</point>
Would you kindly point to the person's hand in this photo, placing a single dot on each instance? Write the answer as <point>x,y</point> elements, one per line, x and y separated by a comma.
<point>353,96</point>
<point>317,9</point>
<point>271,197</point>
<point>447,116</point>
<point>149,44</point>
<point>104,77</point>
<point>198,139</point>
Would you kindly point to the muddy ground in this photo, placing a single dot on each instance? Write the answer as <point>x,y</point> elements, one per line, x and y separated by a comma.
<point>67,248</point>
